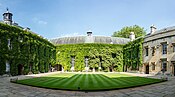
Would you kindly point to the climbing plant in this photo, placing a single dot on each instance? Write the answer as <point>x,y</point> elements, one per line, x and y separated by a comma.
<point>20,47</point>
<point>133,54</point>
<point>98,54</point>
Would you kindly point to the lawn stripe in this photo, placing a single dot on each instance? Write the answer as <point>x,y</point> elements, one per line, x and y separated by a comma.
<point>36,80</point>
<point>68,80</point>
<point>115,75</point>
<point>76,83</point>
<point>90,81</point>
<point>82,81</point>
<point>100,80</point>
<point>61,82</point>
<point>61,75</point>
<point>86,83</point>
<point>108,81</point>
<point>53,81</point>
<point>94,81</point>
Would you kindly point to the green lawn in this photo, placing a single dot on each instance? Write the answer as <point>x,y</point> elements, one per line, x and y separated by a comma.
<point>88,82</point>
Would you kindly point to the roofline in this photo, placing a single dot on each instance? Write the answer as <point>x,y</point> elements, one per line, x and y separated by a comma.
<point>88,36</point>
<point>164,30</point>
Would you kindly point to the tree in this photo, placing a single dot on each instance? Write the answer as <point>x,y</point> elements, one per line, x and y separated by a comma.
<point>125,31</point>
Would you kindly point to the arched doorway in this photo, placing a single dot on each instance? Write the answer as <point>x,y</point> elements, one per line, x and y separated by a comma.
<point>59,67</point>
<point>147,69</point>
<point>20,69</point>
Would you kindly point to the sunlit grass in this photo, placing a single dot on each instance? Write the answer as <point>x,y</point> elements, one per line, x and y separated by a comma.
<point>88,82</point>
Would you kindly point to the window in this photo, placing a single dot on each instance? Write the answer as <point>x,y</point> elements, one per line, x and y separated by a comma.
<point>164,65</point>
<point>153,51</point>
<point>20,39</point>
<point>153,66</point>
<point>7,66</point>
<point>9,44</point>
<point>173,48</point>
<point>146,49</point>
<point>164,48</point>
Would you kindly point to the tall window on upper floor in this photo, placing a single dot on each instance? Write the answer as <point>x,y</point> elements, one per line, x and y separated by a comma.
<point>146,51</point>
<point>153,51</point>
<point>164,48</point>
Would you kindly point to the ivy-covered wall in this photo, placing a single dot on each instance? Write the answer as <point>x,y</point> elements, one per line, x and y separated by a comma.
<point>108,56</point>
<point>132,53</point>
<point>24,51</point>
<point>30,53</point>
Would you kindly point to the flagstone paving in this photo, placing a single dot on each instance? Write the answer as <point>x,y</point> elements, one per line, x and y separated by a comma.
<point>164,89</point>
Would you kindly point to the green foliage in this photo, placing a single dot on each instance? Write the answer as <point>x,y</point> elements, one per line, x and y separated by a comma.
<point>133,54</point>
<point>125,32</point>
<point>25,48</point>
<point>97,54</point>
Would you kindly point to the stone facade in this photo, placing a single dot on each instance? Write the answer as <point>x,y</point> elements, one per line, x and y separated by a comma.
<point>159,52</point>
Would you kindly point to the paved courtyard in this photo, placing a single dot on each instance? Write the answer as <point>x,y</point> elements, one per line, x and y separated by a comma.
<point>164,89</point>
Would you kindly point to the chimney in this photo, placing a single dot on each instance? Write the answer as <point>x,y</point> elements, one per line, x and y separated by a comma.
<point>132,36</point>
<point>153,29</point>
<point>89,33</point>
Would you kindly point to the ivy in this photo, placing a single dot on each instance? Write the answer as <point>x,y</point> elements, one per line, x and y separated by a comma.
<point>133,54</point>
<point>97,54</point>
<point>25,48</point>
<point>36,54</point>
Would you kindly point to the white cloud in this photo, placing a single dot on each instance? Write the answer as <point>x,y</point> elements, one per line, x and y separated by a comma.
<point>39,21</point>
<point>42,22</point>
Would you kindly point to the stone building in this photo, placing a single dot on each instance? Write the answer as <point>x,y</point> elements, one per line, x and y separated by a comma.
<point>159,51</point>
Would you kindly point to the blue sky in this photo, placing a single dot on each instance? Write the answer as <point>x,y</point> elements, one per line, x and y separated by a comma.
<point>58,18</point>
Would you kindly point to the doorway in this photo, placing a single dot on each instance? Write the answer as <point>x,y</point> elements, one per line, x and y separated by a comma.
<point>147,69</point>
<point>20,69</point>
<point>173,69</point>
<point>59,67</point>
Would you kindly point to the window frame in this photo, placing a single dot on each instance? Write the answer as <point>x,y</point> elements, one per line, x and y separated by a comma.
<point>164,48</point>
<point>164,65</point>
<point>146,51</point>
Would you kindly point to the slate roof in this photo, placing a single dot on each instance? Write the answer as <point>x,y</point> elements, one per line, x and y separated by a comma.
<point>90,39</point>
